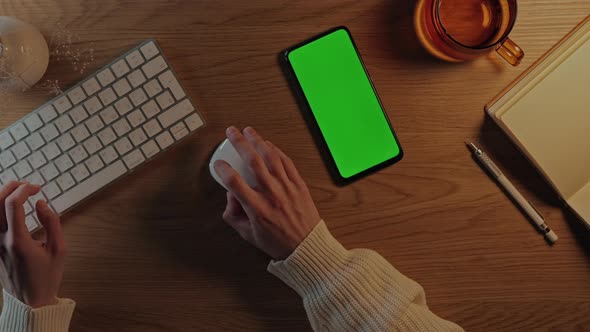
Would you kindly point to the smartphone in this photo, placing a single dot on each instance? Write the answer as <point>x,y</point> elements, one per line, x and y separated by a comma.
<point>329,75</point>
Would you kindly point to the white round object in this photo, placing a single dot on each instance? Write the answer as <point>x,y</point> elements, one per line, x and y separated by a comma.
<point>24,55</point>
<point>228,153</point>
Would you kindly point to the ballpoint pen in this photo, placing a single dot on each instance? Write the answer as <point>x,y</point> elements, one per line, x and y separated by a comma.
<point>525,205</point>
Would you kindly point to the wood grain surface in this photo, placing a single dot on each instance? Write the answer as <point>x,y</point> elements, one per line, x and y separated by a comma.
<point>151,253</point>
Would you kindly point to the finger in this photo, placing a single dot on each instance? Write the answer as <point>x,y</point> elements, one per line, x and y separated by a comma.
<point>4,192</point>
<point>289,166</point>
<point>235,184</point>
<point>15,212</point>
<point>50,221</point>
<point>250,157</point>
<point>269,155</point>
<point>233,208</point>
<point>235,217</point>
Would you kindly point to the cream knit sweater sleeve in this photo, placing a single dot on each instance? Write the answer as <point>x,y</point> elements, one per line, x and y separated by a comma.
<point>354,290</point>
<point>19,317</point>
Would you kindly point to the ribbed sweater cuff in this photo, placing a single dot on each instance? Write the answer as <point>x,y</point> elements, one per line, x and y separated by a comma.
<point>19,317</point>
<point>308,267</point>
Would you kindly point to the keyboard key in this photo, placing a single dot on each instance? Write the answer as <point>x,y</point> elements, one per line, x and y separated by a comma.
<point>22,169</point>
<point>64,163</point>
<point>51,190</point>
<point>123,106</point>
<point>134,159</point>
<point>64,123</point>
<point>150,149</point>
<point>164,140</point>
<point>165,100</point>
<point>134,59</point>
<point>193,122</point>
<point>78,114</point>
<point>149,50</point>
<point>121,127</point>
<point>35,141</point>
<point>21,150</point>
<point>37,197</point>
<point>78,154</point>
<point>120,68</point>
<point>51,151</point>
<point>5,140</point>
<point>49,132</point>
<point>138,97</point>
<point>176,113</point>
<point>77,95</point>
<point>107,96</point>
<point>152,128</point>
<point>65,181</point>
<point>92,145</point>
<point>19,131</point>
<point>80,172</point>
<point>91,86</point>
<point>35,178</point>
<point>7,159</point>
<point>168,80</point>
<point>28,208</point>
<point>94,164</point>
<point>8,176</point>
<point>123,146</point>
<point>108,154</point>
<point>154,67</point>
<point>47,113</point>
<point>80,133</point>
<point>65,142</point>
<point>92,105</point>
<point>152,88</point>
<point>107,136</point>
<point>94,124</point>
<point>137,137</point>
<point>150,109</point>
<point>122,87</point>
<point>109,115</point>
<point>49,172</point>
<point>179,130</point>
<point>136,118</point>
<point>33,122</point>
<point>136,78</point>
<point>88,187</point>
<point>62,104</point>
<point>31,223</point>
<point>37,160</point>
<point>105,77</point>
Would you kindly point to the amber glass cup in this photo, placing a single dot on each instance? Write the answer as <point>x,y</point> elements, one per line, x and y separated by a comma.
<point>462,30</point>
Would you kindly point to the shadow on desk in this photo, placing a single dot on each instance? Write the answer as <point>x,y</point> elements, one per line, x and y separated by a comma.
<point>184,221</point>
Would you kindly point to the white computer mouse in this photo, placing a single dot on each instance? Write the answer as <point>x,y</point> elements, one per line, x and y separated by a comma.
<point>226,151</point>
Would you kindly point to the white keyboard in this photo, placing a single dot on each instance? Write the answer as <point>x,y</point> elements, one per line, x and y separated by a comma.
<point>99,130</point>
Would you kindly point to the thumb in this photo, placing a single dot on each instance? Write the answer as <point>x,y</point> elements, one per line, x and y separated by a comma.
<point>50,222</point>
<point>235,216</point>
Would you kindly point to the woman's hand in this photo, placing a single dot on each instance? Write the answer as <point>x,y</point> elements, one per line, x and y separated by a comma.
<point>279,213</point>
<point>30,270</point>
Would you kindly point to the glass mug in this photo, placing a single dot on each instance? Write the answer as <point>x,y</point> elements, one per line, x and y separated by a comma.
<point>462,30</point>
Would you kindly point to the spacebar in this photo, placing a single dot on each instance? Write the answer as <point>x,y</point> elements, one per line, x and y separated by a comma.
<point>88,187</point>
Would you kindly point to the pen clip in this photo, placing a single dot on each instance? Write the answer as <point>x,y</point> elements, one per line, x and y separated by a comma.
<point>534,208</point>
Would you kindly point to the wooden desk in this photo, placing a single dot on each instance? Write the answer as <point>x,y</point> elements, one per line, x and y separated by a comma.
<point>152,253</point>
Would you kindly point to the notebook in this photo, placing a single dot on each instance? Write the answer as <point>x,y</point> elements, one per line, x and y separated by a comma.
<point>546,112</point>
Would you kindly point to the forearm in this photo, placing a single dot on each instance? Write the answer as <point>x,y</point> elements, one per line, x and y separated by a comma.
<point>356,290</point>
<point>19,317</point>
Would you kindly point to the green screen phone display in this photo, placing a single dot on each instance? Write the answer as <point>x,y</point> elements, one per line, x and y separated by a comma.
<point>344,103</point>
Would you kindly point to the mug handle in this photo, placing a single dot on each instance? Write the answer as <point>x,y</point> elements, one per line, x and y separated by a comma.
<point>510,52</point>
